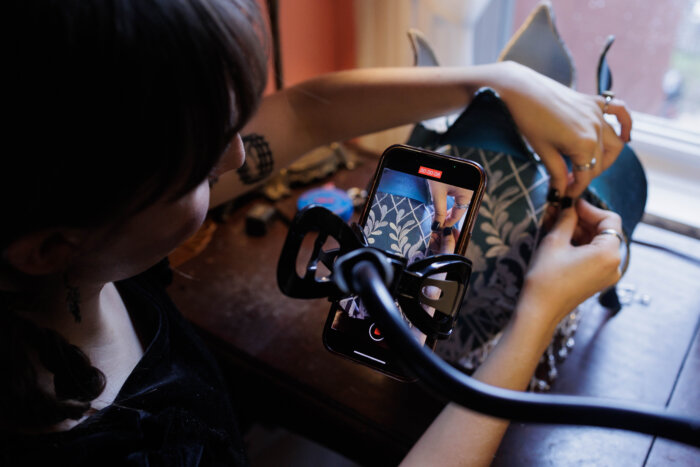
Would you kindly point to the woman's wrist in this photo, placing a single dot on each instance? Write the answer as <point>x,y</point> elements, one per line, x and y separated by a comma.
<point>503,77</point>
<point>521,345</point>
<point>535,319</point>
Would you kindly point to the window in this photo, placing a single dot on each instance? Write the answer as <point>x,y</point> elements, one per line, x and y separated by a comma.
<point>655,64</point>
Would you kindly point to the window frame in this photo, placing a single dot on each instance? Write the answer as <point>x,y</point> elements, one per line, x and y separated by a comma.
<point>670,154</point>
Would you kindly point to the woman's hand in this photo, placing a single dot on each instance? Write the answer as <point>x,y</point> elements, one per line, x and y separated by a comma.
<point>557,120</point>
<point>443,241</point>
<point>573,262</point>
<point>439,192</point>
<point>561,276</point>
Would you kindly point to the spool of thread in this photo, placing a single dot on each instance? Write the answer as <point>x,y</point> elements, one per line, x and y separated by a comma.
<point>335,200</point>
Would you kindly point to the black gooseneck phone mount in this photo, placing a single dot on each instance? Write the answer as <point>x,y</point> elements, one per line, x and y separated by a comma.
<point>381,280</point>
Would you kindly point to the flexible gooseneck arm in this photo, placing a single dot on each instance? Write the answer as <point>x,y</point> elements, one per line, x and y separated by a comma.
<point>368,281</point>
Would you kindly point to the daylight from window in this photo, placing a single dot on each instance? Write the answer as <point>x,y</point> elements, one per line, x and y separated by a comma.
<point>655,59</point>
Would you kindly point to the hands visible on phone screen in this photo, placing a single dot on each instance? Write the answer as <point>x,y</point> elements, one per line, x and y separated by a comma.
<point>440,191</point>
<point>443,240</point>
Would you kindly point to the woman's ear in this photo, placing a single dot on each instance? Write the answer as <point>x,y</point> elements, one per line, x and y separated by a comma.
<point>44,252</point>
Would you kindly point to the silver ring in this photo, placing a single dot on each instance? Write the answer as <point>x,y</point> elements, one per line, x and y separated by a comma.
<point>625,260</point>
<point>584,167</point>
<point>609,96</point>
<point>615,233</point>
<point>460,206</point>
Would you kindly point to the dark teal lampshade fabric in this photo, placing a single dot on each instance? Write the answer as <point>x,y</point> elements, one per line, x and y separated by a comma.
<point>507,229</point>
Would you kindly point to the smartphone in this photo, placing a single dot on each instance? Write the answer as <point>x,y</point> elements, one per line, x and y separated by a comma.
<point>420,203</point>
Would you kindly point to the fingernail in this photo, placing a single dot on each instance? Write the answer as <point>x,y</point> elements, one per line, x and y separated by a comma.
<point>435,226</point>
<point>553,195</point>
<point>567,202</point>
<point>447,231</point>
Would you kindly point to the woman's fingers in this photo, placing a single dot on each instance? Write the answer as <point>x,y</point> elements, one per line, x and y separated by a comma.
<point>558,172</point>
<point>587,166</point>
<point>612,146</point>
<point>558,121</point>
<point>597,218</point>
<point>438,191</point>
<point>442,217</point>
<point>462,198</point>
<point>564,227</point>
<point>596,156</point>
<point>440,205</point>
<point>592,222</point>
<point>619,109</point>
<point>449,240</point>
<point>455,215</point>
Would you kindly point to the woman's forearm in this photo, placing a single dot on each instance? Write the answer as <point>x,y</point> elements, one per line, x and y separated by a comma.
<point>343,105</point>
<point>462,437</point>
<point>357,102</point>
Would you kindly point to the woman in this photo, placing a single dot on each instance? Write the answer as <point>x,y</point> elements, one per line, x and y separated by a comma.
<point>120,112</point>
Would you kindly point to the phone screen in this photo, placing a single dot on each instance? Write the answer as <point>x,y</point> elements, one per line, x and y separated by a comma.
<point>421,204</point>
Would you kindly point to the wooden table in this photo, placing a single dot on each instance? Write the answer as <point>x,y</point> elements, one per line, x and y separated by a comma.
<point>271,350</point>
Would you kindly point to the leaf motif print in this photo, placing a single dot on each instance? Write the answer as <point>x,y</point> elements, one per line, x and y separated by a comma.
<point>400,214</point>
<point>399,224</point>
<point>494,240</point>
<point>373,225</point>
<point>501,219</point>
<point>495,179</point>
<point>497,251</point>
<point>501,250</point>
<point>509,192</point>
<point>402,227</point>
<point>489,228</point>
<point>476,254</point>
<point>415,253</point>
<point>408,224</point>
<point>506,228</point>
<point>401,240</point>
<point>520,230</point>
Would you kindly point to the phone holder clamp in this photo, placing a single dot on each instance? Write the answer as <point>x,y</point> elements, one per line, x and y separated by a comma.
<point>429,291</point>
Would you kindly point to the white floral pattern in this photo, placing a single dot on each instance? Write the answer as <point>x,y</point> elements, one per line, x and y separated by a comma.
<point>501,247</point>
<point>399,225</point>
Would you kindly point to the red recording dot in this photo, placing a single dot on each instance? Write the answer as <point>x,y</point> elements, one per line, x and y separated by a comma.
<point>375,334</point>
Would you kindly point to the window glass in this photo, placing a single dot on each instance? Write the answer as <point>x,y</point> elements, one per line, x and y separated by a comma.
<point>655,59</point>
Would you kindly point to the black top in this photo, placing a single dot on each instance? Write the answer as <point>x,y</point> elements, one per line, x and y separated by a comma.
<point>172,410</point>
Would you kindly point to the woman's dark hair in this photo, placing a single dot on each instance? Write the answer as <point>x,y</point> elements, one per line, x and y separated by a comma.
<point>113,103</point>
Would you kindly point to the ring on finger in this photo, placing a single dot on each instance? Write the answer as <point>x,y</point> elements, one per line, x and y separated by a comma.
<point>609,96</point>
<point>624,247</point>
<point>615,233</point>
<point>461,206</point>
<point>584,167</point>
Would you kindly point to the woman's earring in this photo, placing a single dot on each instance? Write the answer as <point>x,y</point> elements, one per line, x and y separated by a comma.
<point>72,300</point>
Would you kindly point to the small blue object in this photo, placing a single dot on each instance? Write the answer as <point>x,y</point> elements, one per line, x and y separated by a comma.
<point>333,199</point>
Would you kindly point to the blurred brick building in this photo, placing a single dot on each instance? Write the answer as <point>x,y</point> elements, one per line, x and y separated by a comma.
<point>655,41</point>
